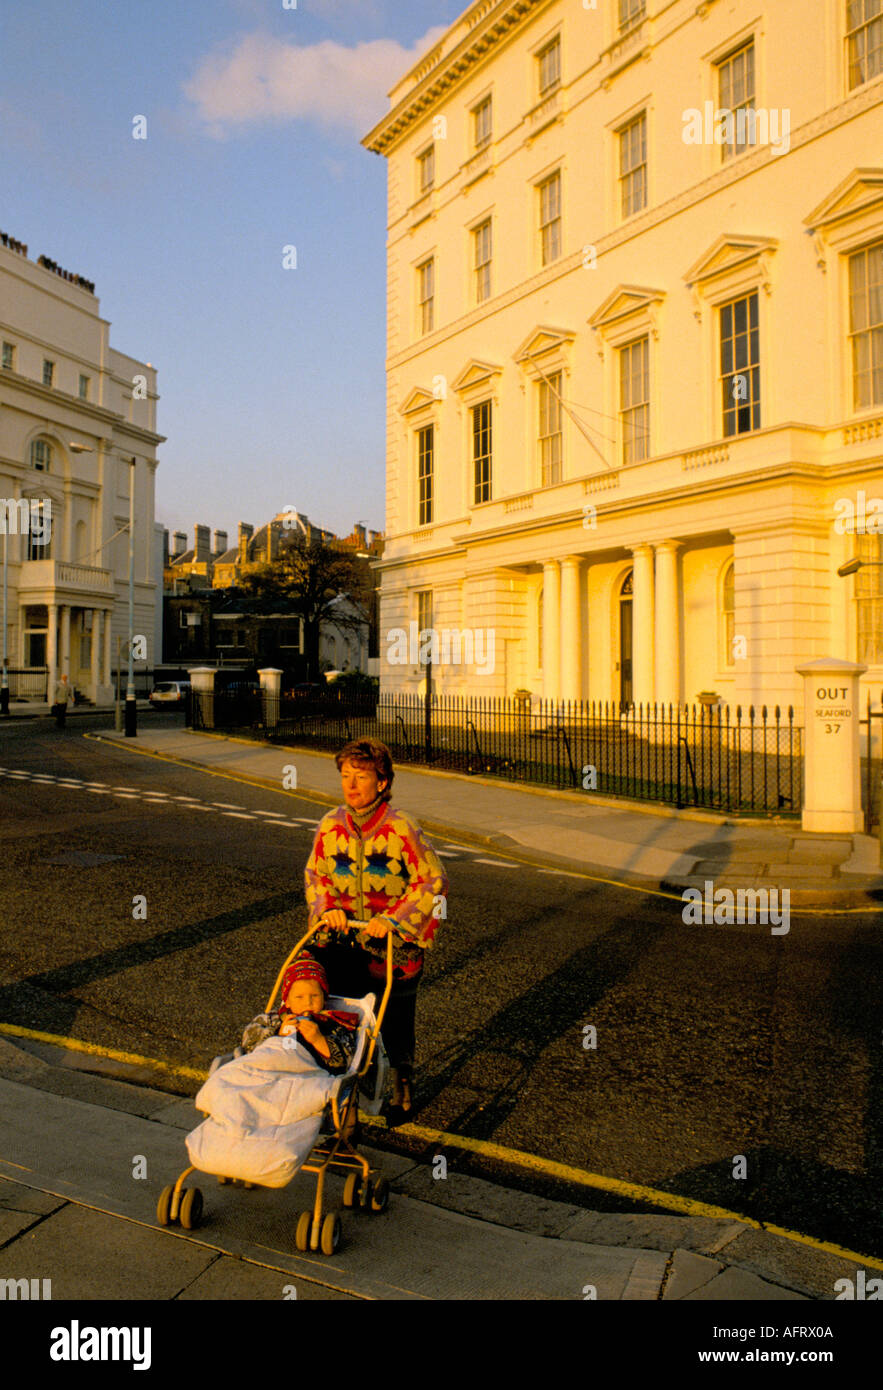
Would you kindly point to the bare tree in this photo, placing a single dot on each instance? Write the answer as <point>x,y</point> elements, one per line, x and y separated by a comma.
<point>308,578</point>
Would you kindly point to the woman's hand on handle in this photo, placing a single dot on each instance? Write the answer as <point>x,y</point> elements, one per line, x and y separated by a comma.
<point>335,918</point>
<point>378,927</point>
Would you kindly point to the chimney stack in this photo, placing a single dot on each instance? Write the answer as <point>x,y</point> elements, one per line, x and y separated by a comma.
<point>220,543</point>
<point>165,547</point>
<point>180,543</point>
<point>201,543</point>
<point>245,534</point>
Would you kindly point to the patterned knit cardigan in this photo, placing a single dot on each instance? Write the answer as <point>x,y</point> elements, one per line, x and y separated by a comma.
<point>386,869</point>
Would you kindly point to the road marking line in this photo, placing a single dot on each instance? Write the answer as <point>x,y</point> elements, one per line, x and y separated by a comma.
<point>94,1050</point>
<point>866,910</point>
<point>126,796</point>
<point>560,873</point>
<point>496,863</point>
<point>227,806</point>
<point>126,789</point>
<point>652,1196</point>
<point>98,791</point>
<point>237,815</point>
<point>447,854</point>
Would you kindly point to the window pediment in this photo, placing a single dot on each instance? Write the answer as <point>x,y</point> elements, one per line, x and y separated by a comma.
<point>728,254</point>
<point>544,341</point>
<point>857,194</point>
<point>475,375</point>
<point>627,308</point>
<point>417,400</point>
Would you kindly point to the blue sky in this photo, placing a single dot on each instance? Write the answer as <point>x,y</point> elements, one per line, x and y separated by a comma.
<point>271,381</point>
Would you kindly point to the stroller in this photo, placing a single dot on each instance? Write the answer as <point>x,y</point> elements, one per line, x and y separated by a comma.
<point>365,1082</point>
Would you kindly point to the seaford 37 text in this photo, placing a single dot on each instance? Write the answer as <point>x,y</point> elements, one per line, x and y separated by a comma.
<point>442,646</point>
<point>722,907</point>
<point>76,1343</point>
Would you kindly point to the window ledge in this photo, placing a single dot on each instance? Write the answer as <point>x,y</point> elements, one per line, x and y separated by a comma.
<point>481,163</point>
<point>626,49</point>
<point>423,208</point>
<point>550,109</point>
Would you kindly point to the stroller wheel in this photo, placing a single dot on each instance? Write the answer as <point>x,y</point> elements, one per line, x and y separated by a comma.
<point>191,1209</point>
<point>351,1190</point>
<point>222,1182</point>
<point>164,1206</point>
<point>380,1195</point>
<point>331,1231</point>
<point>302,1230</point>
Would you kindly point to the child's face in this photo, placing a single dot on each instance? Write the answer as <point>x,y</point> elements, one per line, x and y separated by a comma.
<point>305,997</point>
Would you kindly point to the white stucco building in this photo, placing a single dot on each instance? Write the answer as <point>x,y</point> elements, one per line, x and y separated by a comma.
<point>77,429</point>
<point>635,345</point>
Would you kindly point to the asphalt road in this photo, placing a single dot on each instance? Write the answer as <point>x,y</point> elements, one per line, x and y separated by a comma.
<point>712,1043</point>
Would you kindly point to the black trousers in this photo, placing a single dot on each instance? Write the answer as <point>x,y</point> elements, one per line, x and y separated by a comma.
<point>346,965</point>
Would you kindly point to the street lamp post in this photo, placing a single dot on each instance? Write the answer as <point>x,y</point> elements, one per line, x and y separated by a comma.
<point>4,679</point>
<point>131,725</point>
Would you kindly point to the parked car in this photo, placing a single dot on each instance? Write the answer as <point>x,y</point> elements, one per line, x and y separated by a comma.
<point>169,693</point>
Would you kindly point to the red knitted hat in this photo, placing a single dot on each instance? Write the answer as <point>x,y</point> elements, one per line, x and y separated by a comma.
<point>304,968</point>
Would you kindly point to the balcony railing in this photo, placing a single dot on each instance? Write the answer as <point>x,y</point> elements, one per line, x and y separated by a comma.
<point>60,575</point>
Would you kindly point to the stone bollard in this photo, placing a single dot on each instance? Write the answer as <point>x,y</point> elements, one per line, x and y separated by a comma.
<point>202,684</point>
<point>832,798</point>
<point>271,678</point>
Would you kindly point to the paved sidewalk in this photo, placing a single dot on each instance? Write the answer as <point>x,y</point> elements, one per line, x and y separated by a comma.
<point>39,709</point>
<point>71,1211</point>
<point>636,844</point>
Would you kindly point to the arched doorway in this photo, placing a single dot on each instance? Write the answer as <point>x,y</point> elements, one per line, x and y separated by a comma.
<point>626,593</point>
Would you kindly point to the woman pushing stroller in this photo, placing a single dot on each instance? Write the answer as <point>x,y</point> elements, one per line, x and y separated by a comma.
<point>370,860</point>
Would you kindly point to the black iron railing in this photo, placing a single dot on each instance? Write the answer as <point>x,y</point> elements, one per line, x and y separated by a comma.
<point>740,761</point>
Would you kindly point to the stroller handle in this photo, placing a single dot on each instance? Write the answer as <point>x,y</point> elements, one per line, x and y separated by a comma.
<point>378,1017</point>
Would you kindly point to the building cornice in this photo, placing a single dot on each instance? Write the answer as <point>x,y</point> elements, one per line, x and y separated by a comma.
<point>98,415</point>
<point>495,23</point>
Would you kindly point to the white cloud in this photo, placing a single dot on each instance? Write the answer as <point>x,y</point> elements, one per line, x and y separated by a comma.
<point>263,79</point>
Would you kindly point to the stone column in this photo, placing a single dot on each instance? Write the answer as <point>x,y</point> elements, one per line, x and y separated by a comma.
<point>65,655</point>
<point>271,679</point>
<point>668,624</point>
<point>643,661</point>
<point>551,630</point>
<point>95,674</point>
<point>832,798</point>
<point>52,651</point>
<point>571,629</point>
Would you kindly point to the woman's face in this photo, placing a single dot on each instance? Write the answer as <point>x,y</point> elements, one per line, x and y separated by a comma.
<point>361,785</point>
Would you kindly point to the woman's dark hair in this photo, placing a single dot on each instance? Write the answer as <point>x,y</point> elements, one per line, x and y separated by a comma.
<point>369,752</point>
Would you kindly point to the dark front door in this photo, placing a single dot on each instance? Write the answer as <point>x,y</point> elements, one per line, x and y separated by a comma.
<point>625,653</point>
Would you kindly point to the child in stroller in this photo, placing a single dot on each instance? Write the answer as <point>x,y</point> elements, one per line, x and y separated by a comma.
<point>302,1080</point>
<point>328,1035</point>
